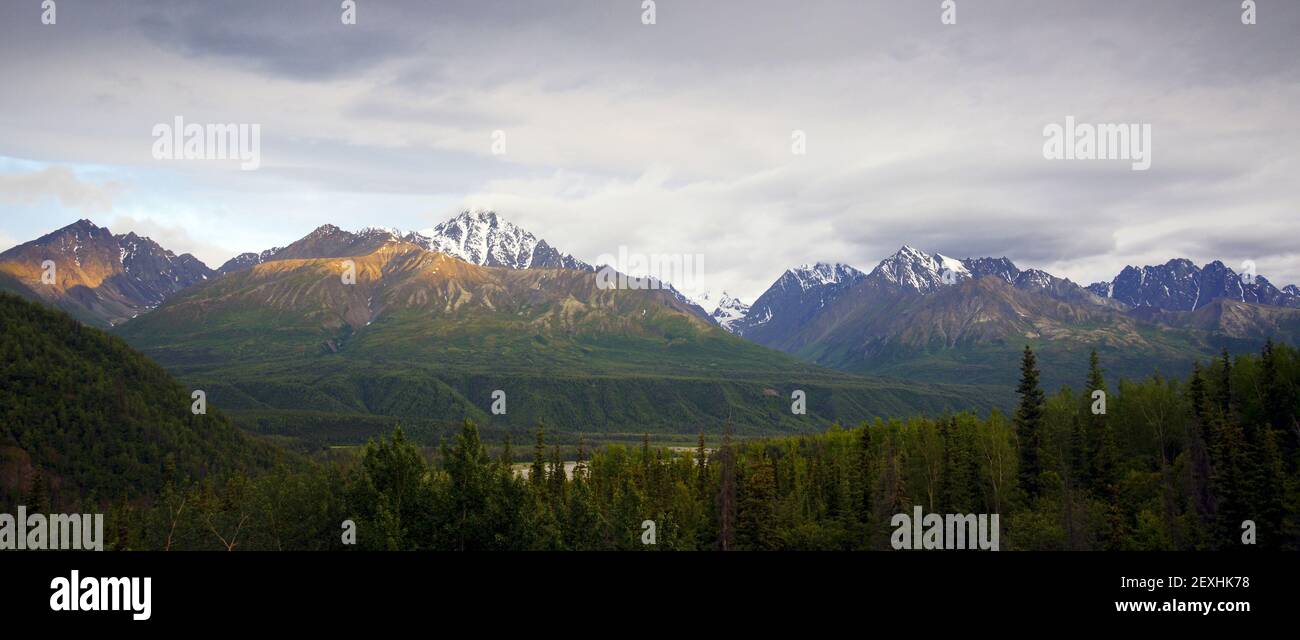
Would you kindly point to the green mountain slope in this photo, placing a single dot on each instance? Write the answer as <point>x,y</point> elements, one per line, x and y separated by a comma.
<point>91,419</point>
<point>424,335</point>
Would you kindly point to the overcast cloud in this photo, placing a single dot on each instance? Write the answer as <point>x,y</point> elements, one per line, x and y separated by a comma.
<point>673,137</point>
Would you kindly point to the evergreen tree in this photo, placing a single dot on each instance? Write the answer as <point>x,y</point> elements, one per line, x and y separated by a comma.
<point>38,497</point>
<point>1102,476</point>
<point>1231,480</point>
<point>582,522</point>
<point>1225,383</point>
<point>469,474</point>
<point>755,514</point>
<point>394,487</point>
<point>1029,424</point>
<point>1269,483</point>
<point>865,474</point>
<point>1200,444</point>
<point>960,469</point>
<point>1199,398</point>
<point>580,463</point>
<point>645,455</point>
<point>537,473</point>
<point>1080,474</point>
<point>556,480</point>
<point>701,468</point>
<point>727,493</point>
<point>1279,402</point>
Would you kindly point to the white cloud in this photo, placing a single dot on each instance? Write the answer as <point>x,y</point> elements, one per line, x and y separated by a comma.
<point>60,184</point>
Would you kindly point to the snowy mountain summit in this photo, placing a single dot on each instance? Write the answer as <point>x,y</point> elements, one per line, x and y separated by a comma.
<point>483,238</point>
<point>730,311</point>
<point>919,271</point>
<point>821,274</point>
<point>478,237</point>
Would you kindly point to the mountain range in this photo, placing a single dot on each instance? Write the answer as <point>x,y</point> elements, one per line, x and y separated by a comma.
<point>1179,285</point>
<point>422,333</point>
<point>439,319</point>
<point>927,316</point>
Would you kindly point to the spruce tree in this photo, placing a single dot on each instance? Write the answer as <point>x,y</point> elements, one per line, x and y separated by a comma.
<point>1230,477</point>
<point>755,513</point>
<point>1096,381</point>
<point>1201,445</point>
<point>537,473</point>
<point>1272,397</point>
<point>1197,393</point>
<point>1225,383</point>
<point>556,478</point>
<point>1029,424</point>
<point>580,465</point>
<point>727,493</point>
<point>1080,474</point>
<point>864,474</point>
<point>1268,491</point>
<point>1279,402</point>
<point>1103,457</point>
<point>960,477</point>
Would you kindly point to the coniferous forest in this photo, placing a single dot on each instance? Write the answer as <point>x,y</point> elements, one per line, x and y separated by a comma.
<point>1165,464</point>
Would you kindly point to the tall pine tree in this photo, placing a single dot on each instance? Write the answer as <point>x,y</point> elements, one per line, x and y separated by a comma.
<point>1029,424</point>
<point>537,473</point>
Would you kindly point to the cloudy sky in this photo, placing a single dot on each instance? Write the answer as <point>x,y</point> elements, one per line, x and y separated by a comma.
<point>671,138</point>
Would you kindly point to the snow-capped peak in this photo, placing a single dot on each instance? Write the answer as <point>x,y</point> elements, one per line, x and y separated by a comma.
<point>730,311</point>
<point>392,233</point>
<point>823,273</point>
<point>914,269</point>
<point>481,237</point>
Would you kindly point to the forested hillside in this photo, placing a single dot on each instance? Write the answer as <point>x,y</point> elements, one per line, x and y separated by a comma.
<point>85,418</point>
<point>1171,464</point>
